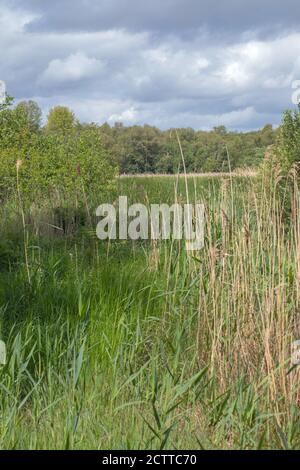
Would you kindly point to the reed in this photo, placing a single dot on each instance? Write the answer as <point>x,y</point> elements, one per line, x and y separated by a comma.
<point>144,347</point>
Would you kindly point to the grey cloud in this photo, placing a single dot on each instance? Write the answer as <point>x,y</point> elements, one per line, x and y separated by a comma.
<point>167,63</point>
<point>167,16</point>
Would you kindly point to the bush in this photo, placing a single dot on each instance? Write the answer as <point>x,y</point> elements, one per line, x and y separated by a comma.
<point>71,167</point>
<point>289,140</point>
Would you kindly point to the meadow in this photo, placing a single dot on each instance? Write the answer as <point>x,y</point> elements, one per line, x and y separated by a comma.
<point>142,345</point>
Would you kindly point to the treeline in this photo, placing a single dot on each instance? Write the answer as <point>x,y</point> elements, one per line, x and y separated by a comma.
<point>146,149</point>
<point>64,142</point>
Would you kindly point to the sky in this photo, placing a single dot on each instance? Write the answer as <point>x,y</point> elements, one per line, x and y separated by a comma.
<point>167,63</point>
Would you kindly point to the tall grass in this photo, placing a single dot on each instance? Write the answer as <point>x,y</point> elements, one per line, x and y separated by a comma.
<point>142,345</point>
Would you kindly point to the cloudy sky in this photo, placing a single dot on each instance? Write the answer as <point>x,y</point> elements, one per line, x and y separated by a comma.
<point>164,62</point>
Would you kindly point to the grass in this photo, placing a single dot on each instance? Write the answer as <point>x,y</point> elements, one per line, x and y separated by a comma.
<point>248,172</point>
<point>136,345</point>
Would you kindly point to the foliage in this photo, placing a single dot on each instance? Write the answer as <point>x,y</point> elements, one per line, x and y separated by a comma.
<point>146,149</point>
<point>61,121</point>
<point>32,114</point>
<point>280,169</point>
<point>180,351</point>
<point>288,150</point>
<point>139,346</point>
<point>58,161</point>
<point>135,149</point>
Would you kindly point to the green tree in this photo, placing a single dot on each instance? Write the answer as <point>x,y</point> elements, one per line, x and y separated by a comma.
<point>288,149</point>
<point>220,130</point>
<point>32,112</point>
<point>15,128</point>
<point>61,121</point>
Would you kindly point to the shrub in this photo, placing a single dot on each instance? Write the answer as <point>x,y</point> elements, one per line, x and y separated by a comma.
<point>71,166</point>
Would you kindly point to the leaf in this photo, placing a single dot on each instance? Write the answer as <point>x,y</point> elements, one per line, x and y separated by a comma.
<point>184,388</point>
<point>78,364</point>
<point>2,353</point>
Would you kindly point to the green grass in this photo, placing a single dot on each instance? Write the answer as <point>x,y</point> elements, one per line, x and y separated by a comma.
<point>142,346</point>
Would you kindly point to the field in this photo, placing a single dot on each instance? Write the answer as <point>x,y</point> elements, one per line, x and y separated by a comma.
<point>140,345</point>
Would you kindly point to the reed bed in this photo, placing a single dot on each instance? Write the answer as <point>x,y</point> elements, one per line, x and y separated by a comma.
<point>141,345</point>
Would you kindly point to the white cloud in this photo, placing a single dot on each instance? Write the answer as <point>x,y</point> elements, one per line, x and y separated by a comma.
<point>14,21</point>
<point>128,116</point>
<point>74,67</point>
